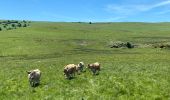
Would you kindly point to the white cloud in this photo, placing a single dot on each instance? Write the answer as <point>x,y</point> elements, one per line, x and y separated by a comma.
<point>161,4</point>
<point>164,3</point>
<point>130,9</point>
<point>163,12</point>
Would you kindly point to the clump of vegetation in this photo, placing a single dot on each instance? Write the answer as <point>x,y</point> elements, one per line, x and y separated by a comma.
<point>13,24</point>
<point>19,25</point>
<point>5,25</point>
<point>129,45</point>
<point>162,45</point>
<point>9,28</point>
<point>120,44</point>
<point>25,25</point>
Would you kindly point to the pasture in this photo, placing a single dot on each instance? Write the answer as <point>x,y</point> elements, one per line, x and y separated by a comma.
<point>126,74</point>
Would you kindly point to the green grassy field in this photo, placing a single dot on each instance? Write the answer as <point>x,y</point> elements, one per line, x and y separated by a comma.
<point>126,74</point>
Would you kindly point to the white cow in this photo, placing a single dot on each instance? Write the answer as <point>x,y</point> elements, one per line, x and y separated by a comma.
<point>34,77</point>
<point>94,67</point>
<point>69,70</point>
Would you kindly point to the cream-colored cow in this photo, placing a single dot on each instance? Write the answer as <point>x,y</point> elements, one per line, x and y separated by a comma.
<point>34,77</point>
<point>69,70</point>
<point>94,67</point>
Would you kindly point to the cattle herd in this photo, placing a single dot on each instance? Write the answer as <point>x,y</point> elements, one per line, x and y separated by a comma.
<point>69,72</point>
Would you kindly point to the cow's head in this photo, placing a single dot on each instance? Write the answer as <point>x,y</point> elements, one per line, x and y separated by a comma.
<point>81,64</point>
<point>31,74</point>
<point>65,71</point>
<point>28,72</point>
<point>88,66</point>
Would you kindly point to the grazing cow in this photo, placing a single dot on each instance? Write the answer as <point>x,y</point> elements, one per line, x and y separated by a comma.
<point>69,71</point>
<point>79,67</point>
<point>34,77</point>
<point>94,67</point>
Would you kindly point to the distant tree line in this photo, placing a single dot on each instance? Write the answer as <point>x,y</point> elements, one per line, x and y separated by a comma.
<point>13,24</point>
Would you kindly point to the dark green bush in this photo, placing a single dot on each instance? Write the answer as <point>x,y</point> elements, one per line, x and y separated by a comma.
<point>19,24</point>
<point>120,44</point>
<point>4,26</point>
<point>9,28</point>
<point>129,45</point>
<point>25,25</point>
<point>13,25</point>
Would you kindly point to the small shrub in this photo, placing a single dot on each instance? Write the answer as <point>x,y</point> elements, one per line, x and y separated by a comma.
<point>120,44</point>
<point>9,28</point>
<point>4,26</point>
<point>19,24</point>
<point>13,25</point>
<point>24,21</point>
<point>8,21</point>
<point>25,25</point>
<point>163,45</point>
<point>129,45</point>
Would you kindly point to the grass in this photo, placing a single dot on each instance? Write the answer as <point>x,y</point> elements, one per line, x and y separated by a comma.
<point>139,73</point>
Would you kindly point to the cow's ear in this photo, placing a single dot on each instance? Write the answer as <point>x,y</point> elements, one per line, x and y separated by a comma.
<point>28,72</point>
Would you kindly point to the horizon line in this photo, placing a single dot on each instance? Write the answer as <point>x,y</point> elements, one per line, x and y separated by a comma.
<point>88,21</point>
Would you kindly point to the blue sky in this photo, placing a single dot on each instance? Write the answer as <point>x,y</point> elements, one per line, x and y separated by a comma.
<point>87,10</point>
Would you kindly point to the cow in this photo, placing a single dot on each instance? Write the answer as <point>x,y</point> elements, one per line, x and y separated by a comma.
<point>94,67</point>
<point>69,71</point>
<point>79,67</point>
<point>34,77</point>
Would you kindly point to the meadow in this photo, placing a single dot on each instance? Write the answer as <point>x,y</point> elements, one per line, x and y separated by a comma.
<point>126,74</point>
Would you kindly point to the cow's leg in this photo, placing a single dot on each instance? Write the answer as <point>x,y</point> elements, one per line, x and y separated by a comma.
<point>94,71</point>
<point>98,71</point>
<point>74,74</point>
<point>67,76</point>
<point>78,72</point>
<point>70,76</point>
<point>81,69</point>
<point>99,68</point>
<point>32,83</point>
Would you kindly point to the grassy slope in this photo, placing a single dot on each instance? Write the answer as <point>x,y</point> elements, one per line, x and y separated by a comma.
<point>140,73</point>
